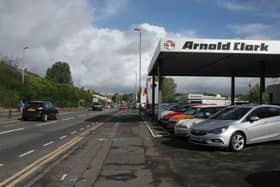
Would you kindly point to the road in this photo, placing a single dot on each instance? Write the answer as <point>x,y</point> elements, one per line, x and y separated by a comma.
<point>22,142</point>
<point>125,151</point>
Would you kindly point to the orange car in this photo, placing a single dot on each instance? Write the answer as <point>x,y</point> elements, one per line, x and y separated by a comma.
<point>189,114</point>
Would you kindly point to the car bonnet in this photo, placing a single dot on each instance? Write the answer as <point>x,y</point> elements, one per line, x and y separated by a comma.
<point>211,124</point>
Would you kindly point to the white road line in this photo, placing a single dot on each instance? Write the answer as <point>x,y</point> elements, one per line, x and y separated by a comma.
<point>74,132</point>
<point>42,124</point>
<point>82,129</point>
<point>5,122</point>
<point>1,165</point>
<point>81,116</point>
<point>88,126</point>
<point>67,113</point>
<point>49,143</point>
<point>27,153</point>
<point>9,131</point>
<point>68,118</point>
<point>63,177</point>
<point>62,137</point>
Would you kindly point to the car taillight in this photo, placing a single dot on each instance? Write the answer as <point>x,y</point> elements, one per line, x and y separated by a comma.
<point>40,108</point>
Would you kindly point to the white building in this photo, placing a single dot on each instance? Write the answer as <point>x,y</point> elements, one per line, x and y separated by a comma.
<point>208,99</point>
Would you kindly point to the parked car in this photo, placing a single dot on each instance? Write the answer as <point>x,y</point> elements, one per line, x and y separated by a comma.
<point>39,110</point>
<point>237,126</point>
<point>97,106</point>
<point>121,107</point>
<point>188,113</point>
<point>182,127</point>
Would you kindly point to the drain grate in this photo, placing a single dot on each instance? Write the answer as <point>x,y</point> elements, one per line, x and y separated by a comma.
<point>122,177</point>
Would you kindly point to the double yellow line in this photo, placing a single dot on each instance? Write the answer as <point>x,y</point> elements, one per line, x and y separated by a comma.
<point>38,164</point>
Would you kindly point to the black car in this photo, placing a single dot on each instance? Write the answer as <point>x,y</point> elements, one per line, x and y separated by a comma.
<point>97,106</point>
<point>39,110</point>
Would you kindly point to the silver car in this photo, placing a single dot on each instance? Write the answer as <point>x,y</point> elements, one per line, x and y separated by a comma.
<point>236,126</point>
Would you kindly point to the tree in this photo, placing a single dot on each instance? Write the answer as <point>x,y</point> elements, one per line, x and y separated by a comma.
<point>60,72</point>
<point>254,94</point>
<point>168,89</point>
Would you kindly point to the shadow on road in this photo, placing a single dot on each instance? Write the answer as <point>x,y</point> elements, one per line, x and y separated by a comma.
<point>266,178</point>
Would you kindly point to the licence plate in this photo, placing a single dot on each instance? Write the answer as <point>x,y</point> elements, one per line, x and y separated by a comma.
<point>31,110</point>
<point>197,139</point>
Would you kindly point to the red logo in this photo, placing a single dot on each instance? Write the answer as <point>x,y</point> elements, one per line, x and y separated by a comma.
<point>169,44</point>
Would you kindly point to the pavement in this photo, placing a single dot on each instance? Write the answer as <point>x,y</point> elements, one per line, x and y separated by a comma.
<point>125,151</point>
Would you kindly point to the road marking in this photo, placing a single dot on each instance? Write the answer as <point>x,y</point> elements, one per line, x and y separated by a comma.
<point>63,177</point>
<point>74,132</point>
<point>42,124</point>
<point>9,131</point>
<point>152,133</point>
<point>68,118</point>
<point>82,129</point>
<point>67,113</point>
<point>38,164</point>
<point>81,116</point>
<point>62,137</point>
<point>88,126</point>
<point>49,143</point>
<point>27,153</point>
<point>5,122</point>
<point>1,165</point>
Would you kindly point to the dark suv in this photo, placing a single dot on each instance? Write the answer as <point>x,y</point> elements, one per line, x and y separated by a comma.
<point>39,110</point>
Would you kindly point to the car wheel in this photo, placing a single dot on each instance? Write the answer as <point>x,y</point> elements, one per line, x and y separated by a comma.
<point>55,116</point>
<point>237,142</point>
<point>45,117</point>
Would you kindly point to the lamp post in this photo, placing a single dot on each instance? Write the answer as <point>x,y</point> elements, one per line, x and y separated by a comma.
<point>139,30</point>
<point>136,77</point>
<point>23,64</point>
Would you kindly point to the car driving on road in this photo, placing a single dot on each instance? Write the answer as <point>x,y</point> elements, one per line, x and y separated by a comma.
<point>236,126</point>
<point>39,110</point>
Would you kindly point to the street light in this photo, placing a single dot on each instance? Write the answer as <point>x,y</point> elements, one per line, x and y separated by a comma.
<point>23,64</point>
<point>139,30</point>
<point>136,78</point>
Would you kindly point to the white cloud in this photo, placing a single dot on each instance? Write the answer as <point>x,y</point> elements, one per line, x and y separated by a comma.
<point>234,6</point>
<point>100,58</point>
<point>251,31</point>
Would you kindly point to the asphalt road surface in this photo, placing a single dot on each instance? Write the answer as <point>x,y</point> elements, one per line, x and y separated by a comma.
<point>123,152</point>
<point>22,142</point>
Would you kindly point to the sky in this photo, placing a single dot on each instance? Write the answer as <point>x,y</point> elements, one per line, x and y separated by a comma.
<point>97,39</point>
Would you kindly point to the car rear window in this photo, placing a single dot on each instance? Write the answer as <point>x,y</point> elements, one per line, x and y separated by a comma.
<point>34,104</point>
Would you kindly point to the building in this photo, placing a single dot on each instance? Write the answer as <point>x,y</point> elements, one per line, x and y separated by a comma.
<point>274,94</point>
<point>207,99</point>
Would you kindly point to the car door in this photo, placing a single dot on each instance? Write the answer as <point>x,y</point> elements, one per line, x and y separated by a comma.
<point>272,123</point>
<point>257,130</point>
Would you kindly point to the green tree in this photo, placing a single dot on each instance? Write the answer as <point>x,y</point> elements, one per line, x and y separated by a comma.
<point>254,94</point>
<point>60,72</point>
<point>168,89</point>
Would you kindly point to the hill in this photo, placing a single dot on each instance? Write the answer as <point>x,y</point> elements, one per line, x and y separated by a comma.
<point>37,88</point>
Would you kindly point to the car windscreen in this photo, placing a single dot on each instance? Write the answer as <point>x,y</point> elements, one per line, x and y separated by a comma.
<point>231,113</point>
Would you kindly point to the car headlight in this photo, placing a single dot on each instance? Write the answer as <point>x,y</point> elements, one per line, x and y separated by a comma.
<point>218,130</point>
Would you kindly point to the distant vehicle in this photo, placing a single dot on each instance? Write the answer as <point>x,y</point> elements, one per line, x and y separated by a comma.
<point>39,110</point>
<point>97,106</point>
<point>122,107</point>
<point>237,126</point>
<point>182,127</point>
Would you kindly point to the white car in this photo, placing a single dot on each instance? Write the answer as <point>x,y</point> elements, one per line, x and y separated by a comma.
<point>182,128</point>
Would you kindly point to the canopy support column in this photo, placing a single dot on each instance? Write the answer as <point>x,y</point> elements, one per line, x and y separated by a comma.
<point>153,95</point>
<point>262,82</point>
<point>232,89</point>
<point>159,90</point>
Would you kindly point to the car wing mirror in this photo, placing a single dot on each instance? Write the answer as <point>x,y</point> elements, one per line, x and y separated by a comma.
<point>207,114</point>
<point>254,118</point>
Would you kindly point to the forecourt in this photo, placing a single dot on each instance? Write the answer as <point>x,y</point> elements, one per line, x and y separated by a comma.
<point>216,58</point>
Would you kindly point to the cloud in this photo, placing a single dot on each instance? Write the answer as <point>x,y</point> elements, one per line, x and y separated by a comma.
<point>234,6</point>
<point>251,31</point>
<point>100,58</point>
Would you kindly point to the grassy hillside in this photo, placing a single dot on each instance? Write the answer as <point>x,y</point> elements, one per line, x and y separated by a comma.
<point>37,88</point>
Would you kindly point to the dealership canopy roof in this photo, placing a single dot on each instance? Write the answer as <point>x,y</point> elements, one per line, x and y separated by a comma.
<point>215,57</point>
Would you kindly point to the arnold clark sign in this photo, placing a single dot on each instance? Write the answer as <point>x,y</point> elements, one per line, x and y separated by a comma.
<point>222,46</point>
